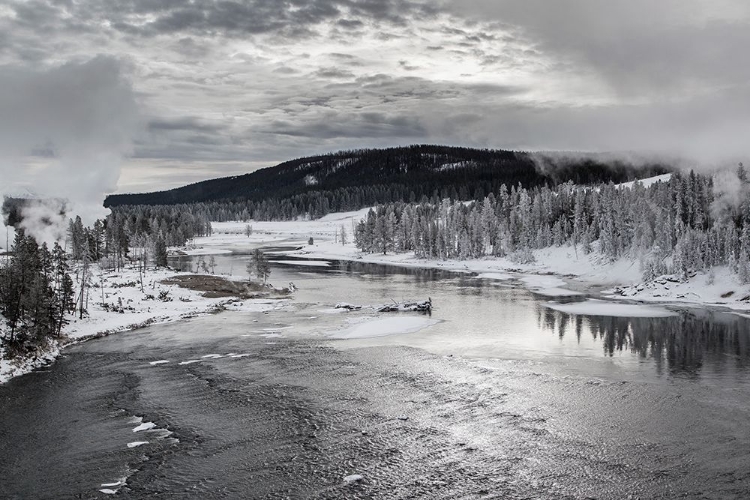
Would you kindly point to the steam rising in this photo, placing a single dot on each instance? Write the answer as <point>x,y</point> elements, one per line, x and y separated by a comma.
<point>64,132</point>
<point>729,193</point>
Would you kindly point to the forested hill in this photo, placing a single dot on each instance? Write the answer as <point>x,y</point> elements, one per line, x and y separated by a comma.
<point>364,177</point>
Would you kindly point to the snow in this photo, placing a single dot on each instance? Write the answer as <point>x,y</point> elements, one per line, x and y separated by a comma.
<point>112,485</point>
<point>107,491</point>
<point>646,182</point>
<point>595,307</point>
<point>455,165</point>
<point>136,444</point>
<point>381,327</point>
<point>723,290</point>
<point>550,286</point>
<point>160,362</point>
<point>205,251</point>
<point>311,263</point>
<point>139,308</point>
<point>190,362</point>
<point>13,368</point>
<point>212,356</point>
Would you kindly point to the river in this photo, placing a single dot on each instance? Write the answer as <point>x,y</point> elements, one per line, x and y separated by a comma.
<point>498,396</point>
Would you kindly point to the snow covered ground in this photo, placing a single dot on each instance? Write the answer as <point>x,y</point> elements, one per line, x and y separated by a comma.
<point>116,303</point>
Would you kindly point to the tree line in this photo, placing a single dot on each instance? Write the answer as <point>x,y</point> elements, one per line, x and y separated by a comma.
<point>350,180</point>
<point>680,226</point>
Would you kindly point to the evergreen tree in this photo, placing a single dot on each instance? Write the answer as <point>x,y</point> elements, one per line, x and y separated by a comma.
<point>259,266</point>
<point>160,252</point>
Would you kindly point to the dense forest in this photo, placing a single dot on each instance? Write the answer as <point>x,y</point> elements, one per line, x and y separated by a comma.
<point>351,180</point>
<point>679,227</point>
<point>36,295</point>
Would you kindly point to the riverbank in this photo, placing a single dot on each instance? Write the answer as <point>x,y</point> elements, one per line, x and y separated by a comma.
<point>118,302</point>
<point>555,272</point>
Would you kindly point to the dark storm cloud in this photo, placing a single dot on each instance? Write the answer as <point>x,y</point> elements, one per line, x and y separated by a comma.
<point>149,18</point>
<point>334,73</point>
<point>361,125</point>
<point>350,23</point>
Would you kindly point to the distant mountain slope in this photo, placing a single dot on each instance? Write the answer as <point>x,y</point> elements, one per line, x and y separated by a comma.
<point>400,173</point>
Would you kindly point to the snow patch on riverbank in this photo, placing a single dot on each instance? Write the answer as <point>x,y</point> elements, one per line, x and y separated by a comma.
<point>719,288</point>
<point>117,302</point>
<point>10,368</point>
<point>548,285</point>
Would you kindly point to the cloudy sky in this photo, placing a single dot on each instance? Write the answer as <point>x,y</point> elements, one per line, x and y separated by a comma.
<point>135,95</point>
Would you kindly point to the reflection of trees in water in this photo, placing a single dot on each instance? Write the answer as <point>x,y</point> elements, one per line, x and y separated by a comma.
<point>386,271</point>
<point>684,343</point>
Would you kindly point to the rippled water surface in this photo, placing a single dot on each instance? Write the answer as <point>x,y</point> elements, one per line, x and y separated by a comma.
<point>502,398</point>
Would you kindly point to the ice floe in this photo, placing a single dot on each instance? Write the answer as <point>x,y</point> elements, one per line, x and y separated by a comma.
<point>144,427</point>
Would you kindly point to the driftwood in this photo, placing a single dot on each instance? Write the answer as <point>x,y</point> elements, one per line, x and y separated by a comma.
<point>348,307</point>
<point>425,306</point>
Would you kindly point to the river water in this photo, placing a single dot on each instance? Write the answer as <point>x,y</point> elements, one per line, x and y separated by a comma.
<point>498,396</point>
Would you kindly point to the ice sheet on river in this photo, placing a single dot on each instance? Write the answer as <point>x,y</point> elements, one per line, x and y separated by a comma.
<point>381,327</point>
<point>595,307</point>
<point>552,286</point>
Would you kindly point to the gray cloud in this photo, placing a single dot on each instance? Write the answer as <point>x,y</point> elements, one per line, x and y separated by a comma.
<point>636,45</point>
<point>184,123</point>
<point>225,82</point>
<point>363,125</point>
<point>334,73</point>
<point>216,17</point>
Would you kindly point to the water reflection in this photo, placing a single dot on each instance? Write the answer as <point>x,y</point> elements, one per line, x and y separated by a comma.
<point>482,318</point>
<point>684,344</point>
